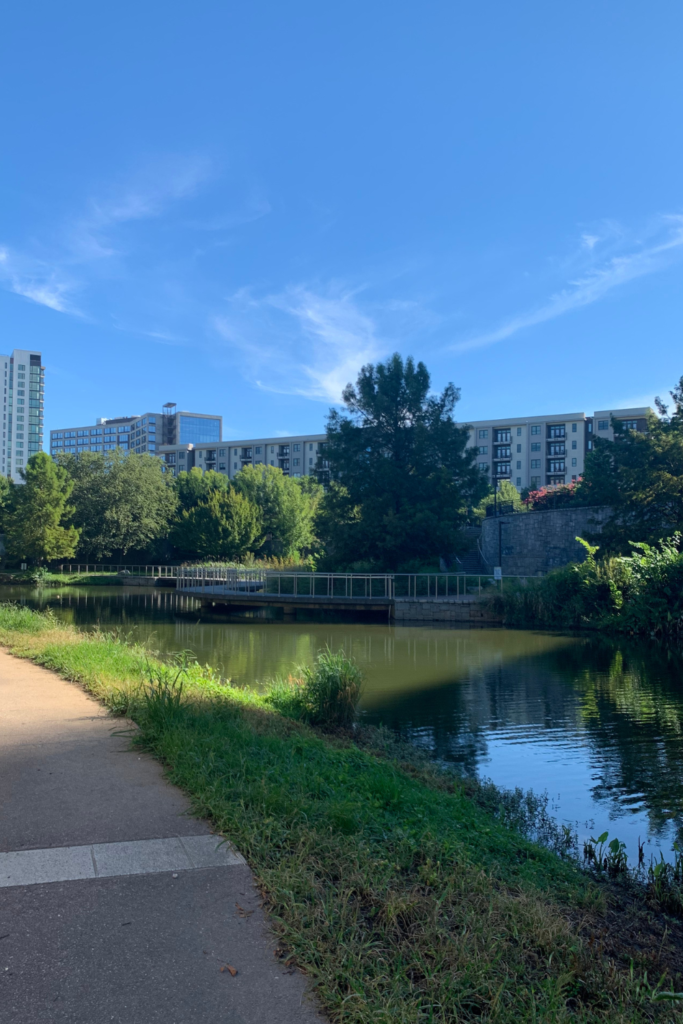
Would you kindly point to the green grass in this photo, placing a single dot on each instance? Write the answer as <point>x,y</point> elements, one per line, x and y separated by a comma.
<point>402,899</point>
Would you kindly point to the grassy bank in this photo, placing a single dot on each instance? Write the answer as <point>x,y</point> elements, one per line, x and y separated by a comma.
<point>401,897</point>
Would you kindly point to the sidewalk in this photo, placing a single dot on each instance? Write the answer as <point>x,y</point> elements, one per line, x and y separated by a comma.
<point>112,905</point>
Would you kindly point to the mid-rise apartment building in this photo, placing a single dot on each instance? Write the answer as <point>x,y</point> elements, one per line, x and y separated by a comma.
<point>143,433</point>
<point>295,456</point>
<point>539,451</point>
<point>533,451</point>
<point>22,410</point>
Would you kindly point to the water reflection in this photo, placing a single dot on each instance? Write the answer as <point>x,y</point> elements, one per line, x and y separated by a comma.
<point>597,724</point>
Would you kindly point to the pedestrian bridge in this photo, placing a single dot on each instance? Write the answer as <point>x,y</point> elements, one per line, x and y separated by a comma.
<point>318,590</point>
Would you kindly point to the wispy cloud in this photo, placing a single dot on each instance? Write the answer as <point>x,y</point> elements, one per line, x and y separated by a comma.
<point>302,341</point>
<point>52,272</point>
<point>665,241</point>
<point>37,281</point>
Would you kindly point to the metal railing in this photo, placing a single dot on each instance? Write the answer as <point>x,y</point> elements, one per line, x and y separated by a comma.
<point>344,586</point>
<point>92,568</point>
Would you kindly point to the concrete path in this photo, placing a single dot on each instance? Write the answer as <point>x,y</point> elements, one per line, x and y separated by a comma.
<point>116,904</point>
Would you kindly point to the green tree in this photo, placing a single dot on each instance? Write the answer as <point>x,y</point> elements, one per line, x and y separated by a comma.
<point>287,507</point>
<point>39,507</point>
<point>122,502</point>
<point>223,525</point>
<point>195,486</point>
<point>639,475</point>
<point>401,475</point>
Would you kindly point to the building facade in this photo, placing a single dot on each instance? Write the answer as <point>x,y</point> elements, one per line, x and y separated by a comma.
<point>22,410</point>
<point>544,451</point>
<point>295,456</point>
<point>144,433</point>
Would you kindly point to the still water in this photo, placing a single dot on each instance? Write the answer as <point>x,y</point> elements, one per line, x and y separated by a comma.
<point>597,724</point>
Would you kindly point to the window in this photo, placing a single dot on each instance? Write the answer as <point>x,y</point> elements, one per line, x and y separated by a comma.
<point>143,421</point>
<point>535,446</point>
<point>310,447</point>
<point>484,467</point>
<point>151,430</point>
<point>295,462</point>
<point>258,450</point>
<point>535,463</point>
<point>483,449</point>
<point>151,446</point>
<point>603,424</point>
<point>234,465</point>
<point>152,419</point>
<point>573,462</point>
<point>221,453</point>
<point>519,431</point>
<point>629,424</point>
<point>310,461</point>
<point>573,428</point>
<point>296,448</point>
<point>502,435</point>
<point>221,466</point>
<point>535,481</point>
<point>519,447</point>
<point>574,445</point>
<point>519,464</point>
<point>519,481</point>
<point>574,477</point>
<point>556,466</point>
<point>556,430</point>
<point>181,455</point>
<point>536,429</point>
<point>590,446</point>
<point>482,433</point>
<point>81,433</point>
<point>199,430</point>
<point>272,450</point>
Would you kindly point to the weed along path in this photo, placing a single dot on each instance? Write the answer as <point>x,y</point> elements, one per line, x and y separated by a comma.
<point>116,904</point>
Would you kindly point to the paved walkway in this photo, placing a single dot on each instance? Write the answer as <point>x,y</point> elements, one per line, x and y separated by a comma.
<point>116,904</point>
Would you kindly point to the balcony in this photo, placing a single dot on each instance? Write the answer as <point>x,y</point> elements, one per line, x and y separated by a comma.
<point>502,453</point>
<point>557,449</point>
<point>246,454</point>
<point>504,436</point>
<point>556,466</point>
<point>556,433</point>
<point>502,469</point>
<point>283,451</point>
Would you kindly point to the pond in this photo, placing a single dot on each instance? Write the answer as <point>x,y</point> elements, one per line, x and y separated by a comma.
<point>595,723</point>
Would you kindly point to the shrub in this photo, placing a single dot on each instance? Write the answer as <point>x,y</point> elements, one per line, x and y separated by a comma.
<point>325,694</point>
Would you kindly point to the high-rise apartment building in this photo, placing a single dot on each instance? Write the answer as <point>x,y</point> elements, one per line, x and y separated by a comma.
<point>22,410</point>
<point>144,433</point>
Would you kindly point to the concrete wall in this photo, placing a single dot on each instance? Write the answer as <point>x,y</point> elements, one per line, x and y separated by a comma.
<point>531,543</point>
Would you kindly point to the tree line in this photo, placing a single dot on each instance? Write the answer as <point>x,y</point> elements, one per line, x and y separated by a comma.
<point>400,483</point>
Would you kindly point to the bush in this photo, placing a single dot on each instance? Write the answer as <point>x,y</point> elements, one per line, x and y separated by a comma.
<point>325,694</point>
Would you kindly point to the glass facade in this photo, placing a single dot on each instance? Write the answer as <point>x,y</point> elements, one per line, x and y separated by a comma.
<point>199,430</point>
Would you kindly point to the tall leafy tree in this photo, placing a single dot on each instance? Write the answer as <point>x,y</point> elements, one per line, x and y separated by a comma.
<point>287,507</point>
<point>195,486</point>
<point>222,525</point>
<point>38,510</point>
<point>639,476</point>
<point>122,502</point>
<point>401,476</point>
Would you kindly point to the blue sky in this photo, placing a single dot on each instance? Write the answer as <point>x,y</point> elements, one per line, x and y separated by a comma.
<point>234,206</point>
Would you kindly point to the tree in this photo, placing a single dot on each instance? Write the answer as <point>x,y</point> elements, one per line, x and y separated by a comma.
<point>195,486</point>
<point>222,525</point>
<point>287,507</point>
<point>639,475</point>
<point>401,475</point>
<point>122,502</point>
<point>38,509</point>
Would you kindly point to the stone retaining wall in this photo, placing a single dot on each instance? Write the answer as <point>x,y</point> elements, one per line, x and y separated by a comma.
<point>532,543</point>
<point>468,610</point>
